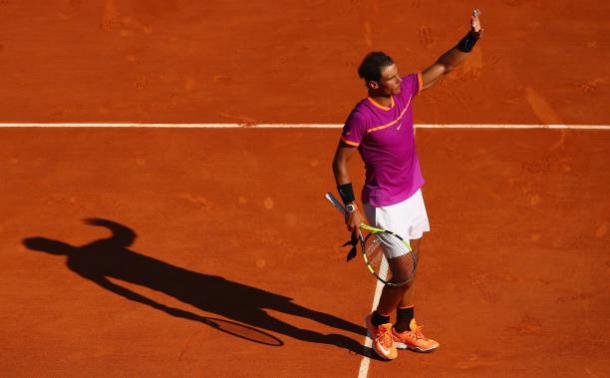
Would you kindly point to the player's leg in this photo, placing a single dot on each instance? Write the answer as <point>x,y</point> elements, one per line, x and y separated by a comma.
<point>392,296</point>
<point>383,218</point>
<point>390,218</point>
<point>407,301</point>
<point>406,333</point>
<point>378,323</point>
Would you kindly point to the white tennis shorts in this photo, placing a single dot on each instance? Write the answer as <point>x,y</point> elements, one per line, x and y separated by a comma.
<point>408,219</point>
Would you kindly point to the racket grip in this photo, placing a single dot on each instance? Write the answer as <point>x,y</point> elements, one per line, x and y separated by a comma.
<point>329,196</point>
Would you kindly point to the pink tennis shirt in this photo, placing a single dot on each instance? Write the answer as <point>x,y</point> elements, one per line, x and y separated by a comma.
<point>386,141</point>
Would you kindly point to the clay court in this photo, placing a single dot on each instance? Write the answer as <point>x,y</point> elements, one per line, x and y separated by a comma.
<point>163,165</point>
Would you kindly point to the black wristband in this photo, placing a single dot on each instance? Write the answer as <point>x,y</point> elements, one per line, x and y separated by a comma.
<point>468,42</point>
<point>346,191</point>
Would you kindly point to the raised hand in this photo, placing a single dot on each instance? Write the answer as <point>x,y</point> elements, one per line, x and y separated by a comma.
<point>475,23</point>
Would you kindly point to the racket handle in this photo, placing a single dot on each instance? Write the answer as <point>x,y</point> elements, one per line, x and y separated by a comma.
<point>335,202</point>
<point>329,196</point>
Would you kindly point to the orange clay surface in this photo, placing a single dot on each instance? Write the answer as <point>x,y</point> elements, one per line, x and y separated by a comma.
<point>212,252</point>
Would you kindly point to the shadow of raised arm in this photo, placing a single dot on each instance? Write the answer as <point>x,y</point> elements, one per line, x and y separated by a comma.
<point>121,236</point>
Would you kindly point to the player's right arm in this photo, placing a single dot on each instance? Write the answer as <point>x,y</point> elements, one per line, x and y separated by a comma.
<point>343,154</point>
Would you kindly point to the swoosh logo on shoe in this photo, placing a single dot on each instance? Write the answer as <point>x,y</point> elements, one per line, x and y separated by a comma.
<point>383,350</point>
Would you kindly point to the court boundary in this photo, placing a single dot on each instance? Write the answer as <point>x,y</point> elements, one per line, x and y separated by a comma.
<point>285,126</point>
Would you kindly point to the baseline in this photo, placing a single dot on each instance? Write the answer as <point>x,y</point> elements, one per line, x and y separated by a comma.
<point>288,126</point>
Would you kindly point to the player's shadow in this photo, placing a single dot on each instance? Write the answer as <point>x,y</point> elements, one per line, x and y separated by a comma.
<point>111,258</point>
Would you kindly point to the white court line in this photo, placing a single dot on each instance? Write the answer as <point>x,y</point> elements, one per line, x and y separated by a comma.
<point>368,342</point>
<point>285,126</point>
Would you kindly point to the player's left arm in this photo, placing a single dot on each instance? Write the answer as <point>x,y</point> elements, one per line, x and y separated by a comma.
<point>454,57</point>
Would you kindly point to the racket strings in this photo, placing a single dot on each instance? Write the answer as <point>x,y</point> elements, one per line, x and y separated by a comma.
<point>374,251</point>
<point>378,245</point>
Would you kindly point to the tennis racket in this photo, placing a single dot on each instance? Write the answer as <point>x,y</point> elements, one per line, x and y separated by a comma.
<point>375,243</point>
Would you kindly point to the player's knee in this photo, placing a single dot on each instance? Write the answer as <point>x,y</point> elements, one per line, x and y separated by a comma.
<point>402,278</point>
<point>402,274</point>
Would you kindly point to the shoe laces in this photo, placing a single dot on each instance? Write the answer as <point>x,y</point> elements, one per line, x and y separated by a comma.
<point>417,332</point>
<point>385,336</point>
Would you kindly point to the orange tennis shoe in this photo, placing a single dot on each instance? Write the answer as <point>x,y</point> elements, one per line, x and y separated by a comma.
<point>413,339</point>
<point>383,343</point>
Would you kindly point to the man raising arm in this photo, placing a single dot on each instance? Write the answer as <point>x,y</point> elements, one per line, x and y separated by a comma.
<point>380,127</point>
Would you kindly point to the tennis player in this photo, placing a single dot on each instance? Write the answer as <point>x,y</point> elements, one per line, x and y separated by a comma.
<point>380,127</point>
